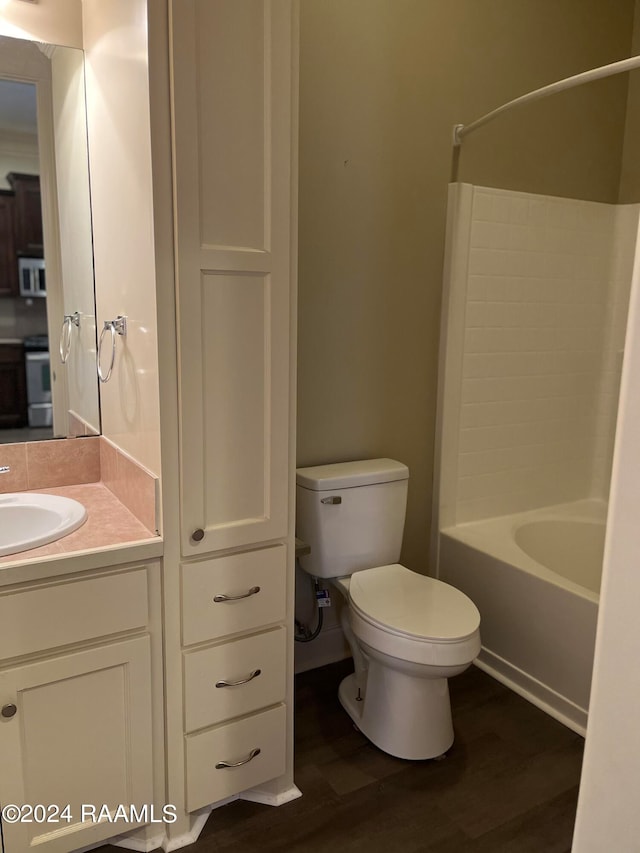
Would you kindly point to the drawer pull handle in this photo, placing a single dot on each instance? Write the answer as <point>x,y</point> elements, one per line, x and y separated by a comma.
<point>224,765</point>
<point>254,674</point>
<point>11,710</point>
<point>253,591</point>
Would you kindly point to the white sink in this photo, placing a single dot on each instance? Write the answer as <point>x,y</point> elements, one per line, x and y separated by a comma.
<point>28,520</point>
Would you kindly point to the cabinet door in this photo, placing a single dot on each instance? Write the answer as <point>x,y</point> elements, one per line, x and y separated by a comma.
<point>8,259</point>
<point>13,386</point>
<point>81,734</point>
<point>232,74</point>
<point>28,212</point>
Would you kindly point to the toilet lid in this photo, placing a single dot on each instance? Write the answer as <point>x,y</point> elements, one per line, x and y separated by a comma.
<point>403,602</point>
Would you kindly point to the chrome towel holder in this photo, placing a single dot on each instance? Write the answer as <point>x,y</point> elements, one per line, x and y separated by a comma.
<point>116,327</point>
<point>68,322</point>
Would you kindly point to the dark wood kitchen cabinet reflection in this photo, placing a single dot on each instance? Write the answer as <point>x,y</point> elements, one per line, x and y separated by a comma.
<point>8,262</point>
<point>13,386</point>
<point>27,214</point>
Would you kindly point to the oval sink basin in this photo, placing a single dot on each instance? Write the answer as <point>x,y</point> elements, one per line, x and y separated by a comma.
<point>28,520</point>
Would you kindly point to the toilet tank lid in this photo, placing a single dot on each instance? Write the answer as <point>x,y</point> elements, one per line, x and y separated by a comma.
<point>347,475</point>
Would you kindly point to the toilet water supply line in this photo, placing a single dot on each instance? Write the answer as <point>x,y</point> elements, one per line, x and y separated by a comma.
<point>303,633</point>
<point>462,130</point>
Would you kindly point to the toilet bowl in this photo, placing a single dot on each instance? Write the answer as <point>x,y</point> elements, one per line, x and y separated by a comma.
<point>414,632</point>
<point>408,633</point>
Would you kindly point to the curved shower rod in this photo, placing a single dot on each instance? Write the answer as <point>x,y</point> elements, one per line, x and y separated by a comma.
<point>462,130</point>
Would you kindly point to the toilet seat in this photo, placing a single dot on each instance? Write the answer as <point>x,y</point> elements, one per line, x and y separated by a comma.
<point>413,617</point>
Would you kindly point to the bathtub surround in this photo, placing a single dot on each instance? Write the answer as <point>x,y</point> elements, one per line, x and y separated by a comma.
<point>537,295</point>
<point>534,319</point>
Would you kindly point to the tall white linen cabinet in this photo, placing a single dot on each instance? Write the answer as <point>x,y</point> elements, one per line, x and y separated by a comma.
<point>223,84</point>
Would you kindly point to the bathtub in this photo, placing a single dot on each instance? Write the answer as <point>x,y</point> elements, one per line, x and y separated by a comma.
<point>535,577</point>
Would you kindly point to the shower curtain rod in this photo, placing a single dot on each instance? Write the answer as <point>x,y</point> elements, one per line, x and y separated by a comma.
<point>462,130</point>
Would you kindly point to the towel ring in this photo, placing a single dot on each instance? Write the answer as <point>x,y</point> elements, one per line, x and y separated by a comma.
<point>116,327</point>
<point>65,334</point>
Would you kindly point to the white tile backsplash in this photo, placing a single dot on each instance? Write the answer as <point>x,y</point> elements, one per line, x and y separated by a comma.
<point>547,290</point>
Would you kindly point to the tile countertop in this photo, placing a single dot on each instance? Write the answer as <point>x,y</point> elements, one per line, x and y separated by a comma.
<point>111,535</point>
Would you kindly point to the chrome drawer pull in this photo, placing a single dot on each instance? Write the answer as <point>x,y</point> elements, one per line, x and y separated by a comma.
<point>252,591</point>
<point>254,674</point>
<point>224,765</point>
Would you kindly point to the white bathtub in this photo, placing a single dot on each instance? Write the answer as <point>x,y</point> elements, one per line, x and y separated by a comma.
<point>535,577</point>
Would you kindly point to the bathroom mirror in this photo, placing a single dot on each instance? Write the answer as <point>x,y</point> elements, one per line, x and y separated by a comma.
<point>48,380</point>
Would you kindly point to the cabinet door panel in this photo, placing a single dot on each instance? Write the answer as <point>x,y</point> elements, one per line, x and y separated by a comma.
<point>13,385</point>
<point>232,125</point>
<point>81,734</point>
<point>8,258</point>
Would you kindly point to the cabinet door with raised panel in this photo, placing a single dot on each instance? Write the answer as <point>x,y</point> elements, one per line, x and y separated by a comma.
<point>232,64</point>
<point>8,258</point>
<point>74,730</point>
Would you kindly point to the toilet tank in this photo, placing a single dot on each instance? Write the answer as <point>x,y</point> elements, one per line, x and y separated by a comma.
<point>351,514</point>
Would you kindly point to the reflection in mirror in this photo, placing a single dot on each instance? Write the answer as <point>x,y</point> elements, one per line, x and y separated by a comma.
<point>48,381</point>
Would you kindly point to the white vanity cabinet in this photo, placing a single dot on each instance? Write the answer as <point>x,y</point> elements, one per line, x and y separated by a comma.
<point>75,705</point>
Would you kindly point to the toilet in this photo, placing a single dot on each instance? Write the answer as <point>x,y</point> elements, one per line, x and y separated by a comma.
<point>408,633</point>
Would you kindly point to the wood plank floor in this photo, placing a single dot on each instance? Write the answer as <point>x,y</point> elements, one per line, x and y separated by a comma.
<point>508,785</point>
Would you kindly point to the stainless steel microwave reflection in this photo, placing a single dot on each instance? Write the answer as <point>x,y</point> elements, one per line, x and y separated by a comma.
<point>43,86</point>
<point>31,275</point>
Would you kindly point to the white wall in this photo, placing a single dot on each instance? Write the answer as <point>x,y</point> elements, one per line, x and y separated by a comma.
<point>74,214</point>
<point>115,36</point>
<point>608,816</point>
<point>623,252</point>
<point>53,21</point>
<point>540,293</point>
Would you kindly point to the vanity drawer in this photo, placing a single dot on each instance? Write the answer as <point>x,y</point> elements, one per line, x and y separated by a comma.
<point>233,743</point>
<point>250,588</point>
<point>206,704</point>
<point>53,615</point>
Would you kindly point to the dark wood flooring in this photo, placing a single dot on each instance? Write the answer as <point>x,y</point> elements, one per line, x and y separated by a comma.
<point>508,785</point>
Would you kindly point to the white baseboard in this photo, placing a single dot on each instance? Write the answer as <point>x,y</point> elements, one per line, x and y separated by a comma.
<point>190,837</point>
<point>534,691</point>
<point>267,799</point>
<point>330,646</point>
<point>142,845</point>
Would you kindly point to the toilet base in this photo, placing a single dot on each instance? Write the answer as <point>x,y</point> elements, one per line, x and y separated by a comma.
<point>404,716</point>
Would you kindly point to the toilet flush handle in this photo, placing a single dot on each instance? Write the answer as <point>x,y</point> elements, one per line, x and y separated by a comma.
<point>334,499</point>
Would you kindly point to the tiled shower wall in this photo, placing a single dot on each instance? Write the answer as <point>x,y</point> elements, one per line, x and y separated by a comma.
<point>543,285</point>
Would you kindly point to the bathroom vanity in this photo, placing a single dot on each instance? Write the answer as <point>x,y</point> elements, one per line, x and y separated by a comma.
<point>76,653</point>
<point>80,666</point>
